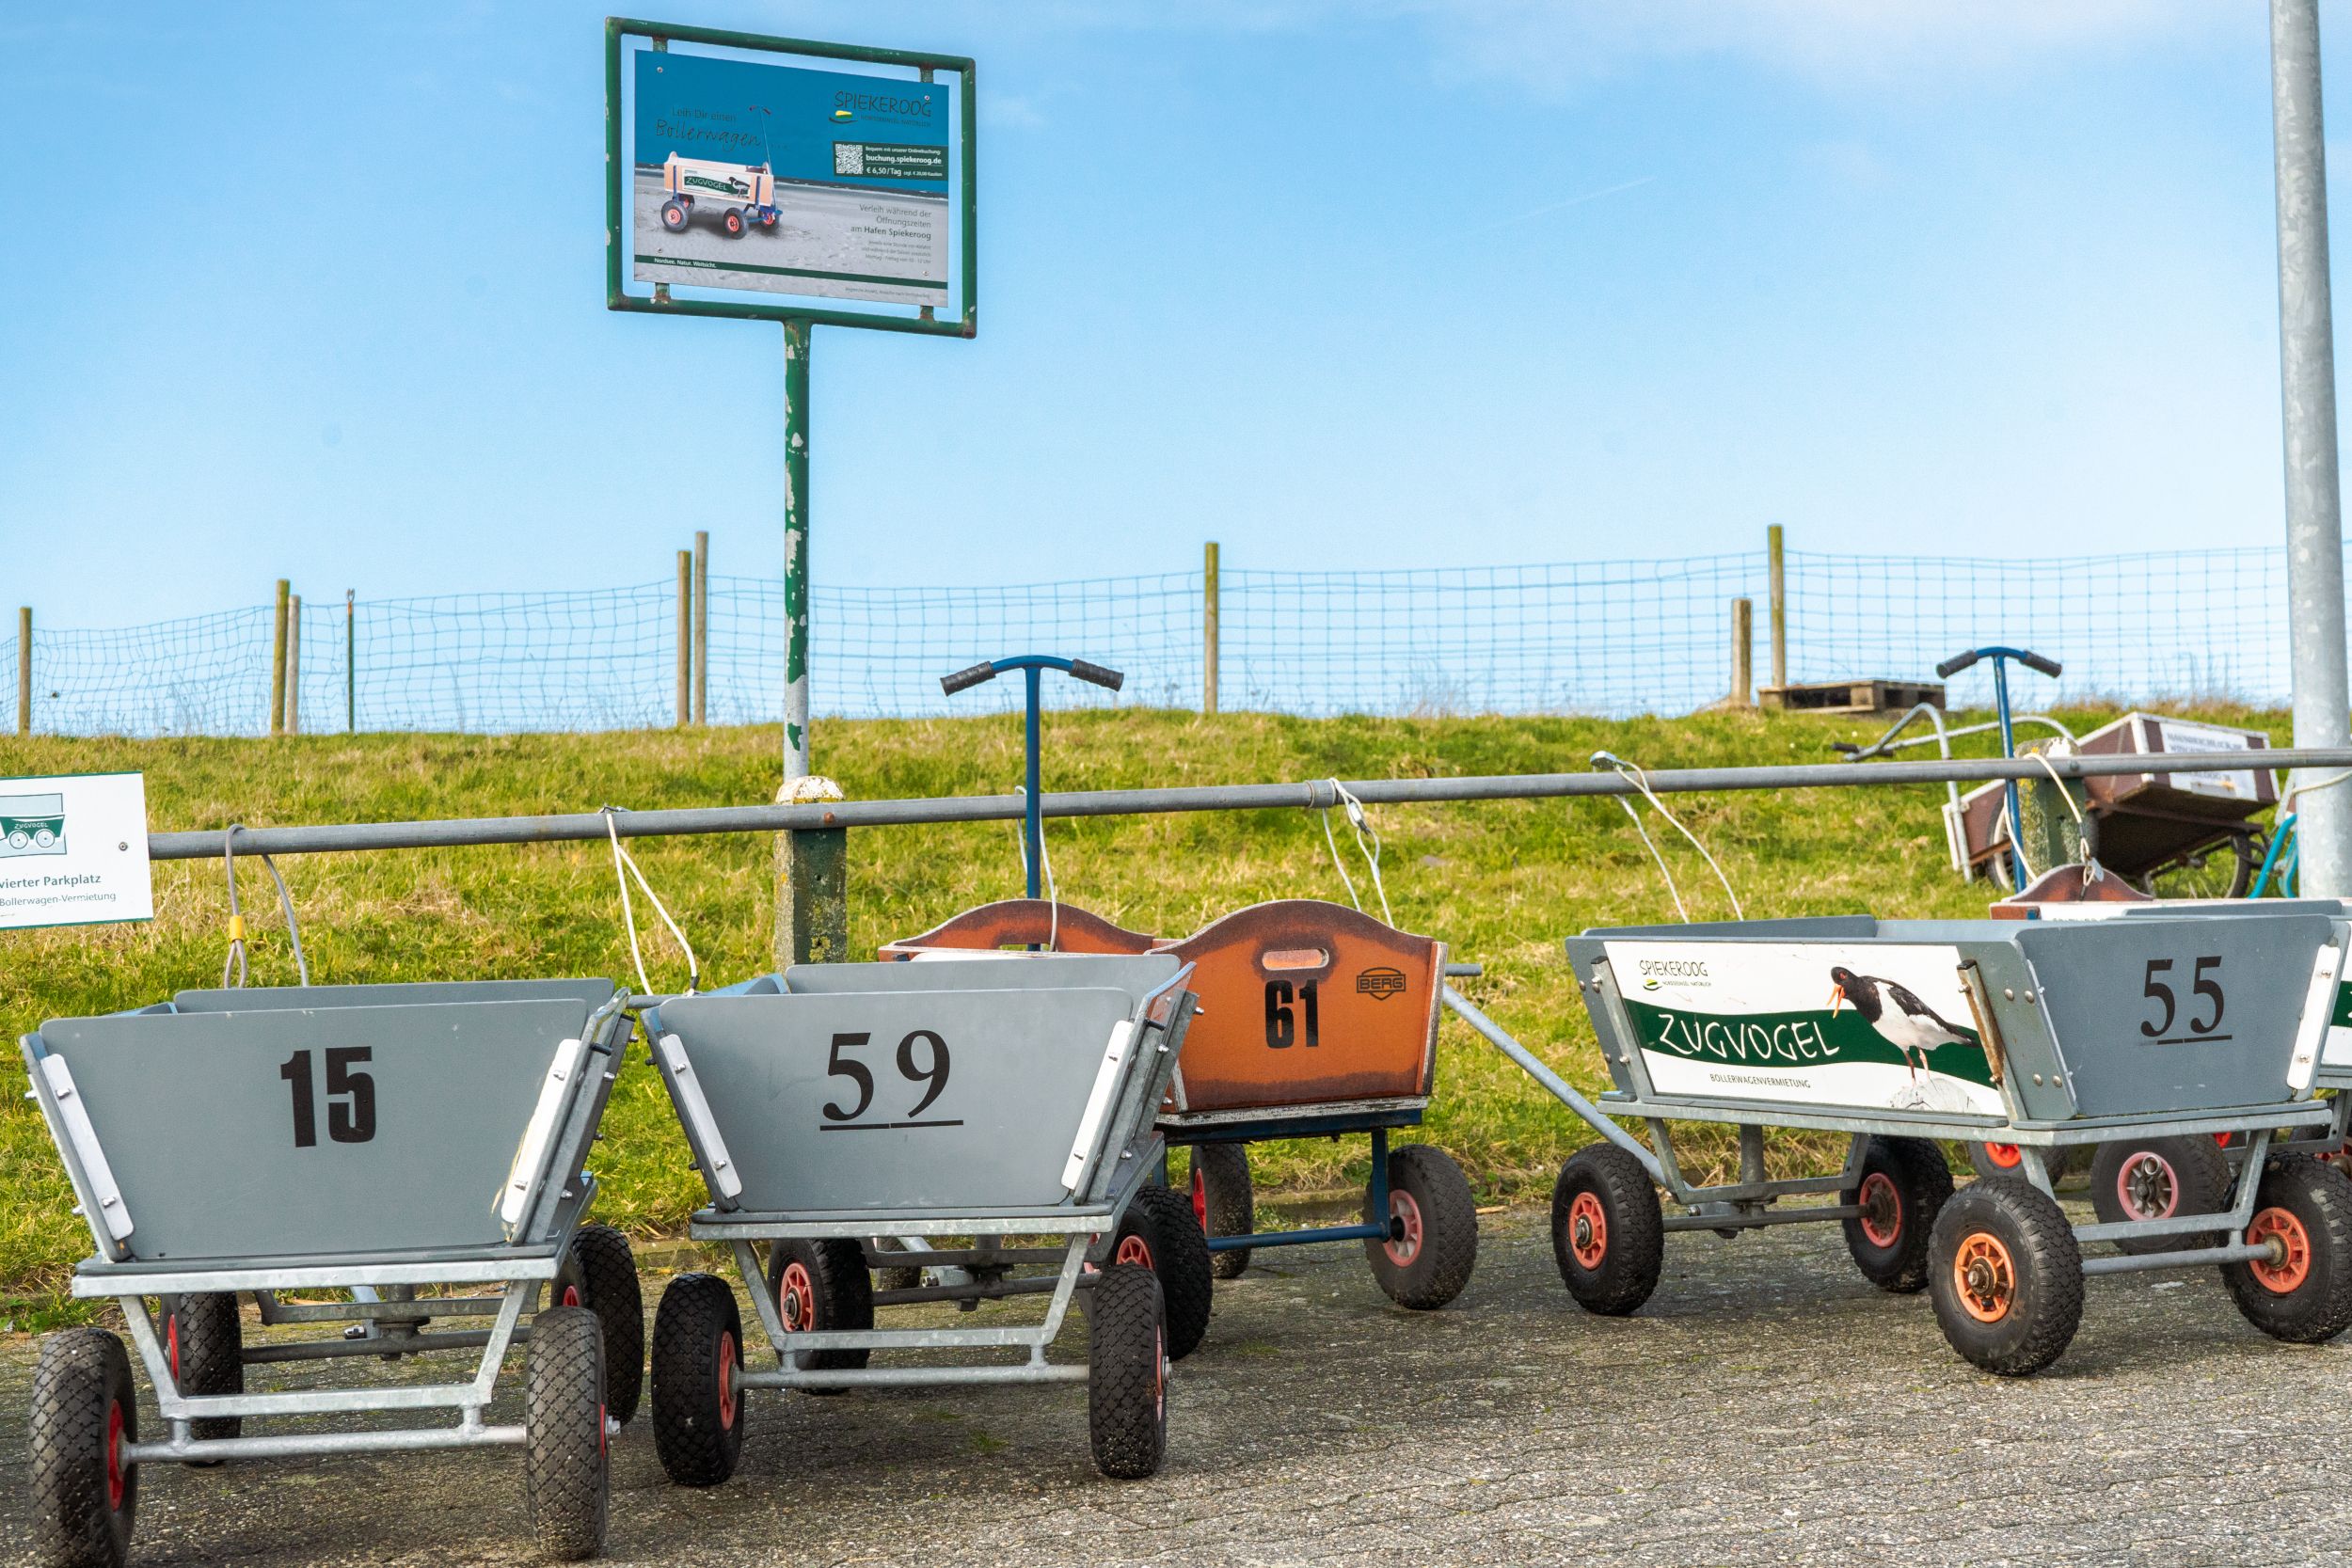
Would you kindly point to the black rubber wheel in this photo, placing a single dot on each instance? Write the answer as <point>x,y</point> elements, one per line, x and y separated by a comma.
<point>566,1464</point>
<point>2005,1160</point>
<point>732,221</point>
<point>600,1273</point>
<point>1224,1202</point>
<point>674,217</point>
<point>822,1285</point>
<point>2005,1277</point>
<point>1904,1183</point>
<point>1159,1232</point>
<point>2147,1179</point>
<point>1126,1372</point>
<point>205,1343</point>
<point>1433,1229</point>
<point>1608,1233</point>
<point>698,1408</point>
<point>895,1280</point>
<point>2305,1295</point>
<point>85,1498</point>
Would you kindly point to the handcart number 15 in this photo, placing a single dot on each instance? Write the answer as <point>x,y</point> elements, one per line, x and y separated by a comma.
<point>350,1096</point>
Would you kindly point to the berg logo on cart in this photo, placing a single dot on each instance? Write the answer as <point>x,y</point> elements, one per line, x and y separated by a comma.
<point>1381,984</point>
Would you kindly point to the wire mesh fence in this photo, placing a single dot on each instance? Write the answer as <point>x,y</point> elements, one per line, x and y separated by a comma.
<point>1610,638</point>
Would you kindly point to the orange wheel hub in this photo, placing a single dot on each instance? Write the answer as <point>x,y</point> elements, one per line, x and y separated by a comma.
<point>1881,1217</point>
<point>2006,1156</point>
<point>2290,1263</point>
<point>1588,1230</point>
<point>1984,1276</point>
<point>1133,1249</point>
<point>796,1298</point>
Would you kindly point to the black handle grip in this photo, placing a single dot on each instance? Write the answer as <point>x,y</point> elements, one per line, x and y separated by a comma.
<point>1097,674</point>
<point>2035,661</point>
<point>962,678</point>
<point>1958,662</point>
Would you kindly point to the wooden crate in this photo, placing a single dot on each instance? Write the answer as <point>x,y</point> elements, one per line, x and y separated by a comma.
<point>1868,698</point>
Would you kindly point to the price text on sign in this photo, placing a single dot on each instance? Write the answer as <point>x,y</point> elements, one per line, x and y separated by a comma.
<point>922,1058</point>
<point>2204,1009</point>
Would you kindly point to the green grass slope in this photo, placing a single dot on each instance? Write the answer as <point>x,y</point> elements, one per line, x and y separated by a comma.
<point>1502,882</point>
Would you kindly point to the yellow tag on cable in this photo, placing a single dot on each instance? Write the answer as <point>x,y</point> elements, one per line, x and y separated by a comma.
<point>236,928</point>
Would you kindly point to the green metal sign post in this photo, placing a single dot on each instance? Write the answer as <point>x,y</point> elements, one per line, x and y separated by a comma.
<point>863,193</point>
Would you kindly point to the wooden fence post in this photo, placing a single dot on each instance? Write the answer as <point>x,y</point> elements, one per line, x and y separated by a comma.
<point>685,637</point>
<point>1742,651</point>
<point>1208,630</point>
<point>277,666</point>
<point>293,665</point>
<point>1779,609</point>
<point>351,662</point>
<point>25,670</point>
<point>702,626</point>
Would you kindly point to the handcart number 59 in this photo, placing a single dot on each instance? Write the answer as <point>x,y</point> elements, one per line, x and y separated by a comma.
<point>932,1073</point>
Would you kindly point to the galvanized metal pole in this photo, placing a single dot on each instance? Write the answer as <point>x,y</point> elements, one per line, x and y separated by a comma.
<point>278,665</point>
<point>25,670</point>
<point>1779,609</point>
<point>293,665</point>
<point>351,662</point>
<point>796,340</point>
<point>2306,370</point>
<point>1033,818</point>
<point>702,625</point>
<point>1208,631</point>
<point>685,637</point>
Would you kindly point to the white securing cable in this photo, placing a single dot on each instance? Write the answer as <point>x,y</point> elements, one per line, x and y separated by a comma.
<point>234,964</point>
<point>1361,825</point>
<point>622,858</point>
<point>1045,865</point>
<point>1632,772</point>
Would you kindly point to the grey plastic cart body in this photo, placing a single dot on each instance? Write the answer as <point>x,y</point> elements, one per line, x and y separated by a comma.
<point>381,1140</point>
<point>1002,1102</point>
<point>2041,1035</point>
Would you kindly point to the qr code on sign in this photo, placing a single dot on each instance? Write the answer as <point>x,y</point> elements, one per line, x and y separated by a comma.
<point>848,157</point>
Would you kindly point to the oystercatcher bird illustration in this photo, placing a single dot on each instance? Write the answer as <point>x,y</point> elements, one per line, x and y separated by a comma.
<point>1901,1020</point>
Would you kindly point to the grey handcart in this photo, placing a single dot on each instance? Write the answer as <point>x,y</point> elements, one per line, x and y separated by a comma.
<point>365,1161</point>
<point>1901,1033</point>
<point>1004,1107</point>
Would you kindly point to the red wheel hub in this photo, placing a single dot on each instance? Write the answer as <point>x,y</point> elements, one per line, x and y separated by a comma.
<point>116,1483</point>
<point>796,1298</point>
<point>1133,1249</point>
<point>727,1356</point>
<point>571,1295</point>
<point>1984,1276</point>
<point>2290,1263</point>
<point>2147,1186</point>
<point>1588,1230</point>
<point>2005,1156</point>
<point>1403,1229</point>
<point>171,1345</point>
<point>1881,1217</point>
<point>1199,1201</point>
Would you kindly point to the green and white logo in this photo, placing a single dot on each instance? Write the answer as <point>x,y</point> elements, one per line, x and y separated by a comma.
<point>32,824</point>
<point>729,186</point>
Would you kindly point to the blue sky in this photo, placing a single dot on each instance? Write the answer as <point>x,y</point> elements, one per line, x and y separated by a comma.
<point>316,291</point>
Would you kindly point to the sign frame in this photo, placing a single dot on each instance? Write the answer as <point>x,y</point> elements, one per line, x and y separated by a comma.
<point>617,217</point>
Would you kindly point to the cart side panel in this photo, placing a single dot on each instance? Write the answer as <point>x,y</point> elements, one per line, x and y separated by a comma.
<point>248,999</point>
<point>203,1118</point>
<point>1306,1002</point>
<point>1021,924</point>
<point>1763,1020</point>
<point>1138,976</point>
<point>1012,1068</point>
<point>2175,1015</point>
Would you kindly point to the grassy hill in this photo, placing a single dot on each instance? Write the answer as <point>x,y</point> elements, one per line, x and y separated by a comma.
<point>1502,881</point>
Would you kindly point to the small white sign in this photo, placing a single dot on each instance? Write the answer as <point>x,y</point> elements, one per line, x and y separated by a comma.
<point>73,850</point>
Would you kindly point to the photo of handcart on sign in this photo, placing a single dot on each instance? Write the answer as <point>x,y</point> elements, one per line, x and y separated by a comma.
<point>374,1160</point>
<point>1902,1033</point>
<point>997,1114</point>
